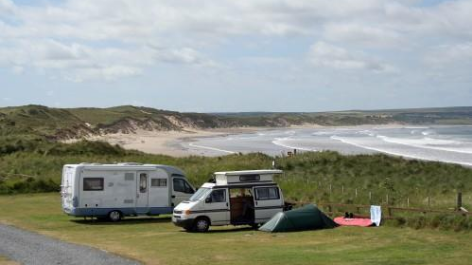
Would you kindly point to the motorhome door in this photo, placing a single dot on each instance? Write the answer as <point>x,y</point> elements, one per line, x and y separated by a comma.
<point>268,202</point>
<point>181,190</point>
<point>142,193</point>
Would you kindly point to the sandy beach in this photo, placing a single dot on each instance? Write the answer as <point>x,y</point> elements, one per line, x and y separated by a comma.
<point>164,142</point>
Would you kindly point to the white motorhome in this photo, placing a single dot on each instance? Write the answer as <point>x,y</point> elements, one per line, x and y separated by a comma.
<point>248,197</point>
<point>126,189</point>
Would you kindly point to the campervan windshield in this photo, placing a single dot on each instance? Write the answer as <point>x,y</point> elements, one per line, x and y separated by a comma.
<point>201,193</point>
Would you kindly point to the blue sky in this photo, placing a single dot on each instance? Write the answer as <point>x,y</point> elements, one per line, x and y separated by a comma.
<point>246,55</point>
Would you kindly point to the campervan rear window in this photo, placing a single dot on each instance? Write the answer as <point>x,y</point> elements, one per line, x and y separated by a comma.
<point>91,184</point>
<point>267,193</point>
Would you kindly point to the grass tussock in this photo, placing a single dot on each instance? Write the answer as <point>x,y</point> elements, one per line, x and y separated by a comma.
<point>433,221</point>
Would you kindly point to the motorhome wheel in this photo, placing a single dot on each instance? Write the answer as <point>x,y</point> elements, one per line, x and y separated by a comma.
<point>114,216</point>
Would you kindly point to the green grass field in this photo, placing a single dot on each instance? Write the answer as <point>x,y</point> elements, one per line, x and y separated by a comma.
<point>158,241</point>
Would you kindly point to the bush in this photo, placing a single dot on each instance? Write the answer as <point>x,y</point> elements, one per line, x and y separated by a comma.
<point>30,185</point>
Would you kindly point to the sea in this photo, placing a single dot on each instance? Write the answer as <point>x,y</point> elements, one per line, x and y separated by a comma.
<point>451,144</point>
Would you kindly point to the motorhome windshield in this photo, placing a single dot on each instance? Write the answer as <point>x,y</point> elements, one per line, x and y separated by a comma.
<point>201,193</point>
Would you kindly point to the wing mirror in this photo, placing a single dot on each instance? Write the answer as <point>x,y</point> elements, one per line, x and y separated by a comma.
<point>208,199</point>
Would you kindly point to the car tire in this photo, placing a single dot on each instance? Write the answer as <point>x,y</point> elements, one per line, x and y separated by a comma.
<point>115,216</point>
<point>201,225</point>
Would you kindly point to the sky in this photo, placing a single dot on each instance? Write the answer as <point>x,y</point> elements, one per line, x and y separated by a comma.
<point>234,56</point>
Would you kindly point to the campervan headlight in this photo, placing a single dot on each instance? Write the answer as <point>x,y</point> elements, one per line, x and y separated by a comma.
<point>187,212</point>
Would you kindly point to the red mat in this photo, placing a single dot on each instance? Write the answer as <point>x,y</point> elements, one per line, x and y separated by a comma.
<point>364,222</point>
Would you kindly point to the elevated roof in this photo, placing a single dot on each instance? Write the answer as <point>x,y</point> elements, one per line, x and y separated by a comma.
<point>246,177</point>
<point>250,172</point>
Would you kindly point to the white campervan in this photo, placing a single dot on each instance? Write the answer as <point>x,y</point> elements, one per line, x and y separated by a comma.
<point>126,189</point>
<point>248,197</point>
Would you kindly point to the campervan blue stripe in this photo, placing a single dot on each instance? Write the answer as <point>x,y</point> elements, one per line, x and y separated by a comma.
<point>126,211</point>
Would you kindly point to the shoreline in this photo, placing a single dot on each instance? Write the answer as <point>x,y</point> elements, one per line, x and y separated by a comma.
<point>169,142</point>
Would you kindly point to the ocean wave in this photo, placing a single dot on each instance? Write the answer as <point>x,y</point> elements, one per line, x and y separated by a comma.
<point>282,143</point>
<point>429,143</point>
<point>366,132</point>
<point>211,148</point>
<point>416,127</point>
<point>390,152</point>
<point>322,133</point>
<point>429,132</point>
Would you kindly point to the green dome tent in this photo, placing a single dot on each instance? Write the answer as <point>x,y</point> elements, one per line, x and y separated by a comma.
<point>305,218</point>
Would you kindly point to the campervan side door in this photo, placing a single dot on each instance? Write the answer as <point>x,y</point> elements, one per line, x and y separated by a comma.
<point>142,192</point>
<point>268,201</point>
<point>181,189</point>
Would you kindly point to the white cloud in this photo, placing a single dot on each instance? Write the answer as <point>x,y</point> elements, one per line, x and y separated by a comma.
<point>17,70</point>
<point>109,39</point>
<point>6,7</point>
<point>327,55</point>
<point>363,35</point>
<point>446,56</point>
<point>445,20</point>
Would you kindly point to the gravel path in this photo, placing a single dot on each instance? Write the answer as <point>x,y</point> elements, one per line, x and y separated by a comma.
<point>31,248</point>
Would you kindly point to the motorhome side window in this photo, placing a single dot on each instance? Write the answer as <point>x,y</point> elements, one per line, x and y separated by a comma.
<point>267,193</point>
<point>93,184</point>
<point>143,182</point>
<point>181,185</point>
<point>218,196</point>
<point>155,183</point>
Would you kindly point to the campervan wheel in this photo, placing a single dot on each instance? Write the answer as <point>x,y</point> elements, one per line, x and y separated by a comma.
<point>114,216</point>
<point>201,224</point>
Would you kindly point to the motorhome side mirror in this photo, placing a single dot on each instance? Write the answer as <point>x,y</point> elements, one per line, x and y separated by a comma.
<point>208,200</point>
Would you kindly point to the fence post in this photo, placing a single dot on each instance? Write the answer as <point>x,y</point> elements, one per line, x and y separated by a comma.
<point>429,202</point>
<point>387,199</point>
<point>408,202</point>
<point>370,197</point>
<point>356,192</point>
<point>459,201</point>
